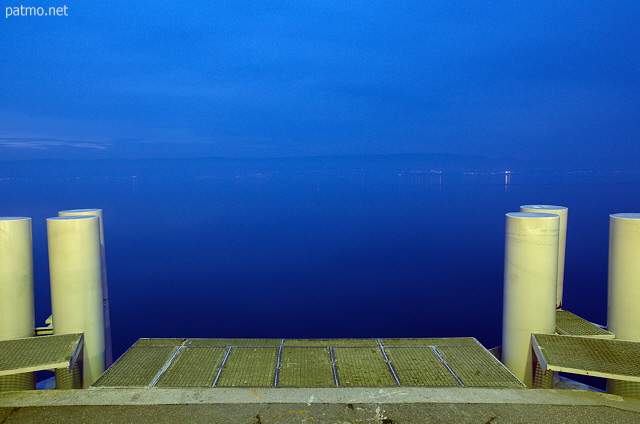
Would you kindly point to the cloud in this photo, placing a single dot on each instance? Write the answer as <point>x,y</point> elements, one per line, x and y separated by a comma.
<point>49,143</point>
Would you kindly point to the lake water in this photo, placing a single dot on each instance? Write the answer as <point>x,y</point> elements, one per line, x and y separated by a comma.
<point>321,255</point>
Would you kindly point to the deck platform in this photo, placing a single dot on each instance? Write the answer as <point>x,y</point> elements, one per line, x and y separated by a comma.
<point>447,362</point>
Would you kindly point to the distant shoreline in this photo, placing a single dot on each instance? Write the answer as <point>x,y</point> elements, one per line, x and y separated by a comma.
<point>359,164</point>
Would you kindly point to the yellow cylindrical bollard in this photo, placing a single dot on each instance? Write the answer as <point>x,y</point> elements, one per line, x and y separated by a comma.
<point>105,285</point>
<point>563,213</point>
<point>17,318</point>
<point>623,310</point>
<point>531,265</point>
<point>76,286</point>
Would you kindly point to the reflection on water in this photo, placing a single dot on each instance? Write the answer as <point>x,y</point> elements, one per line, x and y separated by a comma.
<point>321,255</point>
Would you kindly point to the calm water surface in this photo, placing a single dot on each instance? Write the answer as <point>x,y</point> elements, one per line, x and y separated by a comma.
<point>326,255</point>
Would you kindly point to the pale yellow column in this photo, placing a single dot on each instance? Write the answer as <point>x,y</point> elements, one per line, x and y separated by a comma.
<point>76,286</point>
<point>531,265</point>
<point>105,285</point>
<point>17,317</point>
<point>563,213</point>
<point>623,312</point>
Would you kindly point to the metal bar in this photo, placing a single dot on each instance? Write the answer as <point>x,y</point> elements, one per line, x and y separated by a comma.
<point>224,361</point>
<point>276,374</point>
<point>166,365</point>
<point>334,368</point>
<point>447,365</point>
<point>389,364</point>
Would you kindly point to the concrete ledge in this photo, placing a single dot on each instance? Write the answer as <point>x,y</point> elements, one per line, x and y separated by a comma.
<point>334,405</point>
<point>182,396</point>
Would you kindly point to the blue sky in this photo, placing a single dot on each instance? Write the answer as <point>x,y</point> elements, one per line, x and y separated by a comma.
<point>114,79</point>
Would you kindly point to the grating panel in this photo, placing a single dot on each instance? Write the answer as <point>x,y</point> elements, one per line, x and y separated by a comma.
<point>234,342</point>
<point>419,366</point>
<point>249,366</point>
<point>137,367</point>
<point>193,367</point>
<point>22,381</point>
<point>571,324</point>
<point>610,358</point>
<point>331,342</point>
<point>39,353</point>
<point>416,362</point>
<point>542,380</point>
<point>362,366</point>
<point>476,367</point>
<point>454,341</point>
<point>159,342</point>
<point>68,379</point>
<point>306,366</point>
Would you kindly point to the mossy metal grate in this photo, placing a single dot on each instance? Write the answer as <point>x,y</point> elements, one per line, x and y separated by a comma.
<point>476,367</point>
<point>306,366</point>
<point>453,341</point>
<point>159,342</point>
<point>233,342</point>
<point>609,358</point>
<point>362,366</point>
<point>307,363</point>
<point>21,381</point>
<point>570,324</point>
<point>331,342</point>
<point>249,367</point>
<point>39,353</point>
<point>420,366</point>
<point>193,367</point>
<point>138,367</point>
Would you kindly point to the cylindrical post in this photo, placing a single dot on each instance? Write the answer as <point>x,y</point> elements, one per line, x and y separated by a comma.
<point>531,264</point>
<point>623,311</point>
<point>105,285</point>
<point>563,213</point>
<point>17,317</point>
<point>76,286</point>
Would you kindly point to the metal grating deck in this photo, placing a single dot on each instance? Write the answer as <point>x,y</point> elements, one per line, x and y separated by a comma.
<point>306,367</point>
<point>39,353</point>
<point>249,366</point>
<point>609,358</point>
<point>475,366</point>
<point>160,342</point>
<point>234,342</point>
<point>193,367</point>
<point>138,367</point>
<point>420,367</point>
<point>307,363</point>
<point>456,341</point>
<point>331,342</point>
<point>570,324</point>
<point>362,366</point>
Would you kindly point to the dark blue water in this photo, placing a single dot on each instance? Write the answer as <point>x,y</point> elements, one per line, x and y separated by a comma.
<point>321,255</point>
